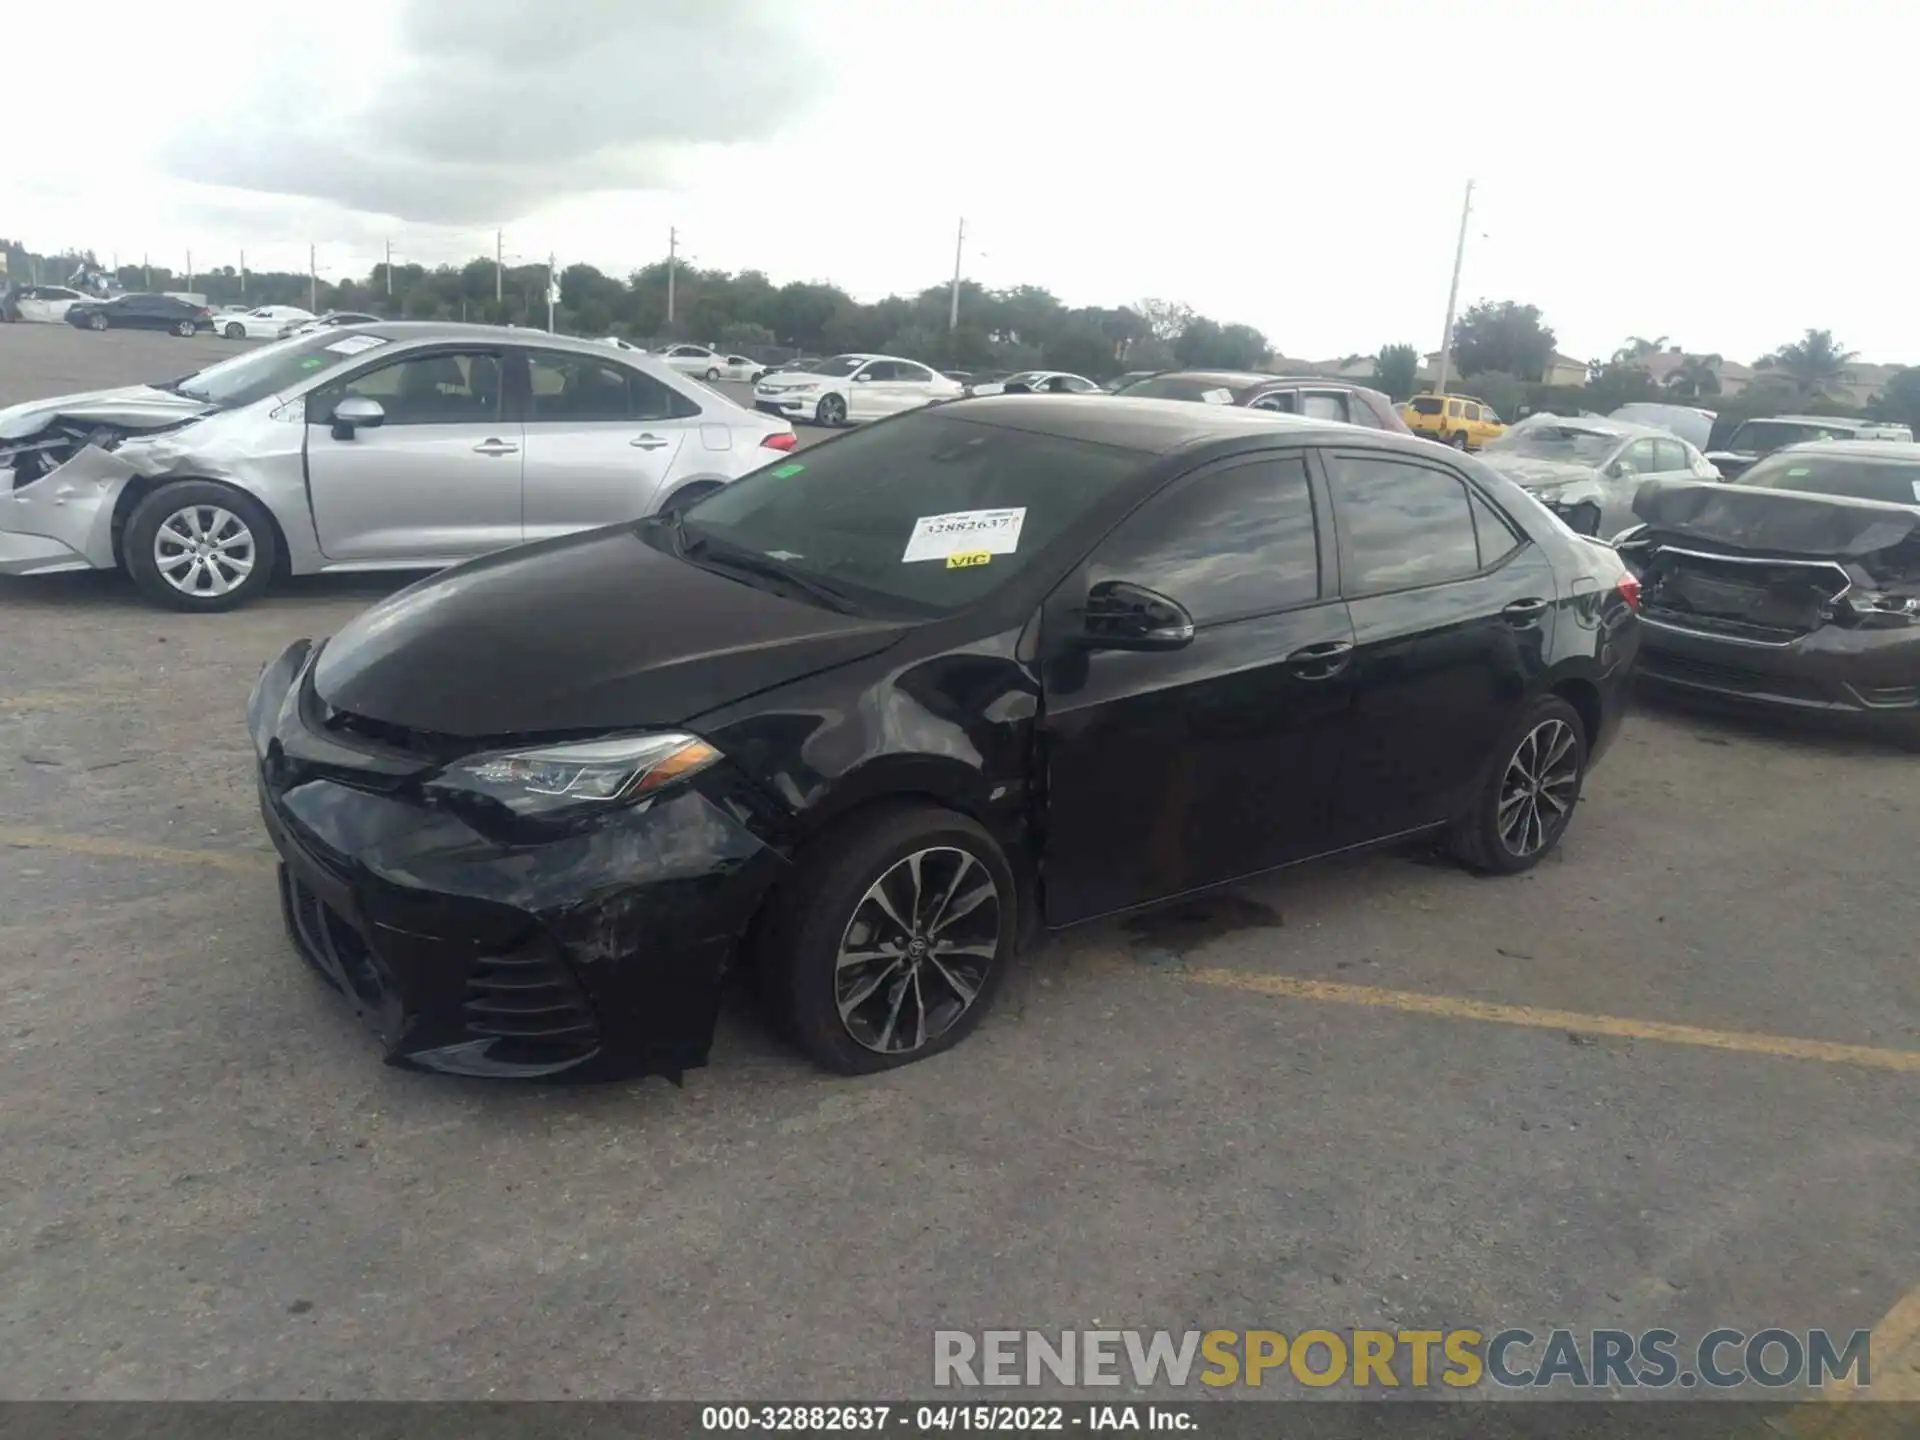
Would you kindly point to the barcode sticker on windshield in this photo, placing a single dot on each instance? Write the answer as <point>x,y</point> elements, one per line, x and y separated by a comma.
<point>965,532</point>
<point>354,344</point>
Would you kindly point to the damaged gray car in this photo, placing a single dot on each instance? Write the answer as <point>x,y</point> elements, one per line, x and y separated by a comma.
<point>1587,469</point>
<point>400,446</point>
<point>1796,586</point>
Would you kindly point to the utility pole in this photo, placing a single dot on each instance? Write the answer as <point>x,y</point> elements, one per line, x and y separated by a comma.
<point>313,280</point>
<point>1453,293</point>
<point>499,269</point>
<point>243,272</point>
<point>959,249</point>
<point>673,257</point>
<point>389,274</point>
<point>549,292</point>
<point>147,268</point>
<point>189,272</point>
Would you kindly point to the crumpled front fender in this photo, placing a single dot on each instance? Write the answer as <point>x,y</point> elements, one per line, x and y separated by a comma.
<point>73,504</point>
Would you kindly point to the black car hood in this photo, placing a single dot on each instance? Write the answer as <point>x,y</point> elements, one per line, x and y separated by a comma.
<point>1779,522</point>
<point>597,631</point>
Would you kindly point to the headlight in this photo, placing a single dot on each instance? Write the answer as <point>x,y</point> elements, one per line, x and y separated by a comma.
<point>585,776</point>
<point>804,389</point>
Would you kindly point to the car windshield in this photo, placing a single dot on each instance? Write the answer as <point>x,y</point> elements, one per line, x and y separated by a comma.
<point>273,368</point>
<point>1573,444</point>
<point>1857,477</point>
<point>923,515</point>
<point>839,365</point>
<point>1180,387</point>
<point>1763,437</point>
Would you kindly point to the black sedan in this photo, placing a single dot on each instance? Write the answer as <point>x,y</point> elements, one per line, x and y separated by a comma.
<point>1796,585</point>
<point>140,312</point>
<point>860,722</point>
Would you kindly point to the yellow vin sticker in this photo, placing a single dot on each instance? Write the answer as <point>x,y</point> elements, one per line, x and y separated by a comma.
<point>970,559</point>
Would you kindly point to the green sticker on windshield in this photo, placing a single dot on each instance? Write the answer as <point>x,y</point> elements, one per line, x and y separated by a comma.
<point>1800,470</point>
<point>786,472</point>
<point>313,362</point>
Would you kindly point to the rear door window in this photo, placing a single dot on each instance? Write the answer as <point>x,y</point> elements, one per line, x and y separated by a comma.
<point>1323,404</point>
<point>1402,524</point>
<point>1669,455</point>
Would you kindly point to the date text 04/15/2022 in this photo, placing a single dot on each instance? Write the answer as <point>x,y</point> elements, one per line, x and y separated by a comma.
<point>942,1419</point>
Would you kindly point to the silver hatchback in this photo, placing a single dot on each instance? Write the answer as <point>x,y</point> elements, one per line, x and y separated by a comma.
<point>396,446</point>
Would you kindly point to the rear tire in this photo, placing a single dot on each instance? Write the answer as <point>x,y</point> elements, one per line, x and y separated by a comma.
<point>713,376</point>
<point>96,322</point>
<point>930,974</point>
<point>185,328</point>
<point>1458,440</point>
<point>681,501</point>
<point>188,509</point>
<point>1541,764</point>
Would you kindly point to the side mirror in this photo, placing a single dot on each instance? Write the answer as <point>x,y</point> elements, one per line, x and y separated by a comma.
<point>861,379</point>
<point>1123,616</point>
<point>354,411</point>
<point>1617,470</point>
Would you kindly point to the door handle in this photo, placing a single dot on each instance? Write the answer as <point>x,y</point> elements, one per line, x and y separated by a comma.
<point>1524,612</point>
<point>495,447</point>
<point>1322,661</point>
<point>647,442</point>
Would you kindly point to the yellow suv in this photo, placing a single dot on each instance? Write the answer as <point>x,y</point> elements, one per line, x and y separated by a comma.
<point>1457,420</point>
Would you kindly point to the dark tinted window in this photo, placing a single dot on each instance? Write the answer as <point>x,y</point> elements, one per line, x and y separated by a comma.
<point>849,513</point>
<point>448,388</point>
<point>1226,544</point>
<point>1427,405</point>
<point>582,389</point>
<point>1401,524</point>
<point>1762,437</point>
<point>1857,476</point>
<point>1496,536</point>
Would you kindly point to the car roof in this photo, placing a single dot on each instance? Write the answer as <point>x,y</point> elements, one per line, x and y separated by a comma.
<point>1901,452</point>
<point>428,331</point>
<point>1836,421</point>
<point>1160,427</point>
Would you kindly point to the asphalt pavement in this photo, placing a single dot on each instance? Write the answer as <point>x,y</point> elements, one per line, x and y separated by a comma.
<point>1666,1079</point>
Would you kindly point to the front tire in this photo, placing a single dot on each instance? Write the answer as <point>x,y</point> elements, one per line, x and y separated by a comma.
<point>236,332</point>
<point>893,938</point>
<point>830,412</point>
<point>1527,802</point>
<point>199,547</point>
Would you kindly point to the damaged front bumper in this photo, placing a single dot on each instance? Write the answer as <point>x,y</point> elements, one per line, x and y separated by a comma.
<point>62,520</point>
<point>597,953</point>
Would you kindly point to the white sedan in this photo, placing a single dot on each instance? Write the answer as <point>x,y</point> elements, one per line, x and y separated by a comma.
<point>269,322</point>
<point>47,304</point>
<point>696,360</point>
<point>850,388</point>
<point>1036,382</point>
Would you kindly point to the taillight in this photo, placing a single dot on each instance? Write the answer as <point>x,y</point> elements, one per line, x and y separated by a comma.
<point>781,441</point>
<point>1629,589</point>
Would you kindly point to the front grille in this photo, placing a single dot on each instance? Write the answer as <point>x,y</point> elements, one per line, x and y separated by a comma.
<point>1717,675</point>
<point>329,943</point>
<point>531,1005</point>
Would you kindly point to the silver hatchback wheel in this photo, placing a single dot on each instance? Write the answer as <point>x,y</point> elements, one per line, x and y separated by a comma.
<point>204,550</point>
<point>1538,790</point>
<point>918,950</point>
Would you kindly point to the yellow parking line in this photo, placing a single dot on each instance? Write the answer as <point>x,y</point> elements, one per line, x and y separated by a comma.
<point>242,862</point>
<point>1450,1007</point>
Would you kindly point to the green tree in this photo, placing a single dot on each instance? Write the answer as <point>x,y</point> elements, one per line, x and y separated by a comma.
<point>1899,399</point>
<point>1816,363</point>
<point>1638,348</point>
<point>1697,378</point>
<point>1504,336</point>
<point>1396,370</point>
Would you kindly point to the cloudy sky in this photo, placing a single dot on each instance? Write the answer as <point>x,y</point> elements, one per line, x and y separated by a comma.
<point>1723,174</point>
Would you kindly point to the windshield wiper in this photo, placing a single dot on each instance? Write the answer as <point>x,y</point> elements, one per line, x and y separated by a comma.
<point>752,562</point>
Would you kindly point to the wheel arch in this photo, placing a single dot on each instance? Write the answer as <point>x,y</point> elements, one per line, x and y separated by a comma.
<point>141,486</point>
<point>1584,696</point>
